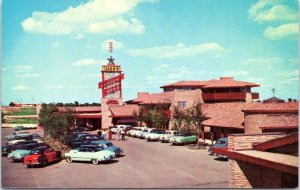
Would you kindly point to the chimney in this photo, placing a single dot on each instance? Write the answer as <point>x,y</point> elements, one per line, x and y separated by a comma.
<point>295,100</point>
<point>226,78</point>
<point>142,94</point>
<point>290,100</point>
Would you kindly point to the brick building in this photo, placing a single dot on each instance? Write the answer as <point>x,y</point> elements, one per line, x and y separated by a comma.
<point>268,160</point>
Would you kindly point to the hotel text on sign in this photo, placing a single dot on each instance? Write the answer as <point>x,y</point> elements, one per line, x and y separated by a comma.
<point>108,68</point>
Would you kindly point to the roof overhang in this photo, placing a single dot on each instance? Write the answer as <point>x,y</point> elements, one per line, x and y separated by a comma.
<point>290,139</point>
<point>238,155</point>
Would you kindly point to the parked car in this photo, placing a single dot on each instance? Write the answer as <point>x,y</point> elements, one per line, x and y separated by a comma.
<point>85,139</point>
<point>22,151</point>
<point>183,138</point>
<point>12,137</point>
<point>42,156</point>
<point>138,130</point>
<point>90,153</point>
<point>166,137</point>
<point>154,135</point>
<point>120,127</point>
<point>10,147</point>
<point>145,132</point>
<point>19,128</point>
<point>129,133</point>
<point>220,143</point>
<point>106,145</point>
<point>25,135</point>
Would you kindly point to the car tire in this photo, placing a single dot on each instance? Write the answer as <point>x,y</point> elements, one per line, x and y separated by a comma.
<point>69,159</point>
<point>29,166</point>
<point>95,161</point>
<point>44,163</point>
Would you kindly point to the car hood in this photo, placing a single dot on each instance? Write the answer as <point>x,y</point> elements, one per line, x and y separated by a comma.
<point>20,152</point>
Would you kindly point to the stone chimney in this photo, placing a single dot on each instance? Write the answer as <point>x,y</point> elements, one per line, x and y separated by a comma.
<point>226,78</point>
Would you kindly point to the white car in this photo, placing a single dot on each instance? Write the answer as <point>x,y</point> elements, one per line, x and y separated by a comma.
<point>140,134</point>
<point>93,153</point>
<point>166,137</point>
<point>119,127</point>
<point>129,133</point>
<point>137,131</point>
<point>154,135</point>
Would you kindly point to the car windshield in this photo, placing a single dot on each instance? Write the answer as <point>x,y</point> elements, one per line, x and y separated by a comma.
<point>23,148</point>
<point>37,151</point>
<point>109,144</point>
<point>98,149</point>
<point>220,142</point>
<point>146,130</point>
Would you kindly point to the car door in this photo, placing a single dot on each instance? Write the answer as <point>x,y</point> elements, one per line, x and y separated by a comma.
<point>51,154</point>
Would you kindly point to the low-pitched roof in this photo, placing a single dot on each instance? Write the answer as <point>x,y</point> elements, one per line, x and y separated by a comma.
<point>224,82</point>
<point>226,114</point>
<point>287,107</point>
<point>123,110</point>
<point>280,121</point>
<point>156,98</point>
<point>83,108</point>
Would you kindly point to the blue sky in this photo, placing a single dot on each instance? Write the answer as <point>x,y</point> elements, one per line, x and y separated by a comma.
<point>52,50</point>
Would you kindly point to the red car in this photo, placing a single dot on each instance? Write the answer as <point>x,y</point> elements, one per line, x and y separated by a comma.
<point>42,156</point>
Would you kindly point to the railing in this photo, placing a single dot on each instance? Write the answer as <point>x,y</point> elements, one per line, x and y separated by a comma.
<point>225,96</point>
<point>255,95</point>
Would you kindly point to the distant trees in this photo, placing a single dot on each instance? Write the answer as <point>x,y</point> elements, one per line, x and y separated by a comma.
<point>11,104</point>
<point>2,117</point>
<point>56,123</point>
<point>76,103</point>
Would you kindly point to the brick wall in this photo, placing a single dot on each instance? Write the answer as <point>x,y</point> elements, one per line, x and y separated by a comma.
<point>106,119</point>
<point>245,175</point>
<point>253,122</point>
<point>243,141</point>
<point>189,96</point>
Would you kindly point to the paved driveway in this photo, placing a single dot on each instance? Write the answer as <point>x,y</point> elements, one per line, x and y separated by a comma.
<point>145,165</point>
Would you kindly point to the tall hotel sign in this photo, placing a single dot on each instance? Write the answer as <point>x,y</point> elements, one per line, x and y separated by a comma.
<point>112,77</point>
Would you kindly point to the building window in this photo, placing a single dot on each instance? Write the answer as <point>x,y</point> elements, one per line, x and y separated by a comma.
<point>181,104</point>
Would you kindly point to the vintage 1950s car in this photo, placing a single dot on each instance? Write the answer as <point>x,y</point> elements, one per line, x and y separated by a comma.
<point>154,135</point>
<point>22,151</point>
<point>42,156</point>
<point>166,137</point>
<point>92,153</point>
<point>183,138</point>
<point>106,145</point>
<point>220,143</point>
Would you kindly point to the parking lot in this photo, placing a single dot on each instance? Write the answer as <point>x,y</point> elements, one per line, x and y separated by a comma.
<point>144,165</point>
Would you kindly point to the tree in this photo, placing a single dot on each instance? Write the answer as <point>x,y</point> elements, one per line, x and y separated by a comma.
<point>177,117</point>
<point>76,103</point>
<point>197,118</point>
<point>56,123</point>
<point>138,116</point>
<point>11,104</point>
<point>2,117</point>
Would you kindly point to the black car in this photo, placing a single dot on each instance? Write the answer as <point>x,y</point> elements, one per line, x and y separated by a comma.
<point>8,148</point>
<point>85,139</point>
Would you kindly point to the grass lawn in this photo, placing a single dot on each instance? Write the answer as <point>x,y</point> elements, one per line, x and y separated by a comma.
<point>23,111</point>
<point>22,121</point>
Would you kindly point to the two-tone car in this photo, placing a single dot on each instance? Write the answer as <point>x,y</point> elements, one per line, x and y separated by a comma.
<point>183,138</point>
<point>137,131</point>
<point>220,143</point>
<point>22,151</point>
<point>154,135</point>
<point>90,153</point>
<point>106,145</point>
<point>164,138</point>
<point>8,147</point>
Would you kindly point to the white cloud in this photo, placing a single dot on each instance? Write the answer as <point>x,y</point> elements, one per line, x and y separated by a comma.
<point>95,16</point>
<point>80,86</point>
<point>180,50</point>
<point>161,67</point>
<point>20,87</point>
<point>55,44</point>
<point>181,73</point>
<point>288,77</point>
<point>264,61</point>
<point>52,87</point>
<point>88,62</point>
<point>282,31</point>
<point>271,10</point>
<point>91,75</point>
<point>22,68</point>
<point>293,61</point>
<point>116,44</point>
<point>28,75</point>
<point>78,36</point>
<point>237,73</point>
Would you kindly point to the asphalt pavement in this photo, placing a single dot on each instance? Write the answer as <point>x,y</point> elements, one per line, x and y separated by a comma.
<point>143,165</point>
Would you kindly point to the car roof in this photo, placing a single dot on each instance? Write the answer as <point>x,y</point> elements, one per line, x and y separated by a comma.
<point>89,146</point>
<point>223,139</point>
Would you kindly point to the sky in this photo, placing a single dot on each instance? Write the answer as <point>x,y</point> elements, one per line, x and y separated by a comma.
<point>53,50</point>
